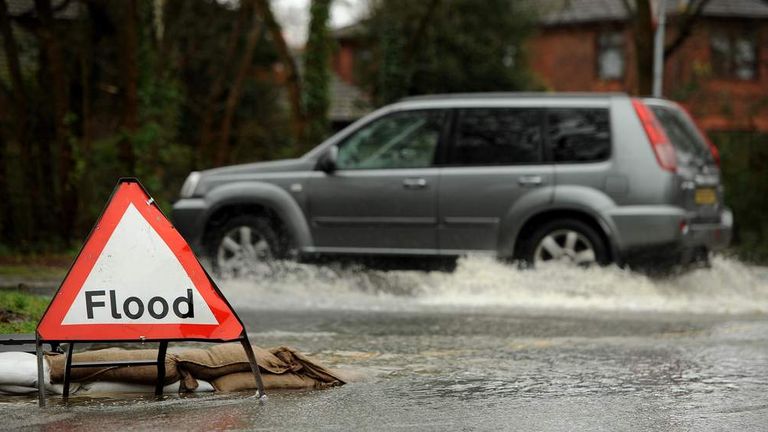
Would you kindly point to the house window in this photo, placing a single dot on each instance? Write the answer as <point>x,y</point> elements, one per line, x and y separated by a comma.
<point>734,54</point>
<point>610,55</point>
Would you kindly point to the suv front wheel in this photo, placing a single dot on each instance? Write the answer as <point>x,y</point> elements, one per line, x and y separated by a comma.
<point>245,246</point>
<point>568,241</point>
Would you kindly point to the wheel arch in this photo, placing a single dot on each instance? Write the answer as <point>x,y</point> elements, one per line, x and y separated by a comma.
<point>261,199</point>
<point>534,221</point>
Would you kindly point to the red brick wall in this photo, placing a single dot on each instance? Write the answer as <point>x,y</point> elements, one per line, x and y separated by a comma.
<point>344,61</point>
<point>565,59</point>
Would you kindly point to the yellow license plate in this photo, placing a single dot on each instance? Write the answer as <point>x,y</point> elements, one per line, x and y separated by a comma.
<point>706,196</point>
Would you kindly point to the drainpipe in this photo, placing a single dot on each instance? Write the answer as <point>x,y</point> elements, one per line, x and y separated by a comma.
<point>658,49</point>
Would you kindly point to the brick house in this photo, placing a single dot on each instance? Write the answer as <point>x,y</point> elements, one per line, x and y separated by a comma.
<point>720,71</point>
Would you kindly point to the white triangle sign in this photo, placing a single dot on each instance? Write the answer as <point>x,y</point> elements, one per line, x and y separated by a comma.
<point>136,278</point>
<point>135,267</point>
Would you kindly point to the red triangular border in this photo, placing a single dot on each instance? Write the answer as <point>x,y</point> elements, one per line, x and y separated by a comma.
<point>126,192</point>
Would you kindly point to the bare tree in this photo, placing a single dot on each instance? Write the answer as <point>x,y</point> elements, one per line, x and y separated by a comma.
<point>220,71</point>
<point>292,80</point>
<point>129,66</point>
<point>641,17</point>
<point>236,91</point>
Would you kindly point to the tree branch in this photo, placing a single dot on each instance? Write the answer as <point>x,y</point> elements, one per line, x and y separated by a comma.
<point>691,14</point>
<point>292,80</point>
<point>628,8</point>
<point>211,106</point>
<point>236,91</point>
<point>12,57</point>
<point>418,35</point>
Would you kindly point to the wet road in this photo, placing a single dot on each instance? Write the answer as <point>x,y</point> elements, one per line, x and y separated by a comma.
<point>484,348</point>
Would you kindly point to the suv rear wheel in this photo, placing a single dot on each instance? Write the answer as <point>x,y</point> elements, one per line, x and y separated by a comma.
<point>568,241</point>
<point>245,246</point>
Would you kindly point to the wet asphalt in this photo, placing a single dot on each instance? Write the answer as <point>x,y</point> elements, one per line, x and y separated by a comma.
<point>470,367</point>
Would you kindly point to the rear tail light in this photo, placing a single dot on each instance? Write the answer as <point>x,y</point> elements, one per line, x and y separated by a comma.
<point>662,147</point>
<point>710,144</point>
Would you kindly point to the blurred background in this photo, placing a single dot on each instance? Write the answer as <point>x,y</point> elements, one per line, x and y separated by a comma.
<point>91,90</point>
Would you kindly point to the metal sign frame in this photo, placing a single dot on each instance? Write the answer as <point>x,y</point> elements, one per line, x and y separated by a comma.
<point>163,342</point>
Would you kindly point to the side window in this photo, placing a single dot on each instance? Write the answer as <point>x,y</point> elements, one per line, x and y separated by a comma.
<point>401,140</point>
<point>497,136</point>
<point>579,134</point>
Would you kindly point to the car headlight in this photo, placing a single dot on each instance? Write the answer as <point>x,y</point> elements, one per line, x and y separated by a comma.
<point>190,184</point>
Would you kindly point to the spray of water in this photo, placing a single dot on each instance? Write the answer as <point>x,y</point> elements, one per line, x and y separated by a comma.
<point>483,282</point>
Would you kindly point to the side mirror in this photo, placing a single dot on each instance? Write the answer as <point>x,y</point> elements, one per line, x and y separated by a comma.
<point>327,162</point>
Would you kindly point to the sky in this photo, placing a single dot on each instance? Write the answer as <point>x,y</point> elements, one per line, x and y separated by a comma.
<point>294,16</point>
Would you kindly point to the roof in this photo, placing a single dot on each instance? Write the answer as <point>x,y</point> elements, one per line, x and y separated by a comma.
<point>509,95</point>
<point>555,12</point>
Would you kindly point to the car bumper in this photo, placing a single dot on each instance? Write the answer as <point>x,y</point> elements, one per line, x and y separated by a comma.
<point>665,233</point>
<point>713,236</point>
<point>188,216</point>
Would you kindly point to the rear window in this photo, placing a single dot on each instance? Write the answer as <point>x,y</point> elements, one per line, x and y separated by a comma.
<point>579,134</point>
<point>683,134</point>
<point>497,136</point>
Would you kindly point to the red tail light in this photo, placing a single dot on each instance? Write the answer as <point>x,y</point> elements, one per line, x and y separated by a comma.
<point>712,148</point>
<point>662,147</point>
<point>710,144</point>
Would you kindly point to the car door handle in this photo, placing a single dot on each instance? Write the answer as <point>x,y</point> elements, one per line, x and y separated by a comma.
<point>531,180</point>
<point>415,183</point>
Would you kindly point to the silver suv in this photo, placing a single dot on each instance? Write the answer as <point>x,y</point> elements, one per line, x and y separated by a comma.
<point>579,178</point>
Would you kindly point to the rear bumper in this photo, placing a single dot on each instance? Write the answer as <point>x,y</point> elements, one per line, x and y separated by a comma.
<point>665,233</point>
<point>713,236</point>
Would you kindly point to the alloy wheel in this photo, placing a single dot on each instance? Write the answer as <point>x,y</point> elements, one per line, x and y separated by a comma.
<point>566,246</point>
<point>243,252</point>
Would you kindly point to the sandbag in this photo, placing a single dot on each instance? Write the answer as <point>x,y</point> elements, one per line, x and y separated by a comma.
<point>298,362</point>
<point>241,381</point>
<point>107,387</point>
<point>125,374</point>
<point>16,390</point>
<point>18,369</point>
<point>298,373</point>
<point>219,360</point>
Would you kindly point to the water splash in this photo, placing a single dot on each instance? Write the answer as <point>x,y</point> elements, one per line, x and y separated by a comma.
<point>483,282</point>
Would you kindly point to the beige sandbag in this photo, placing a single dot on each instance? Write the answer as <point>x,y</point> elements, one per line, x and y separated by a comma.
<point>224,359</point>
<point>298,372</point>
<point>126,374</point>
<point>241,381</point>
<point>299,363</point>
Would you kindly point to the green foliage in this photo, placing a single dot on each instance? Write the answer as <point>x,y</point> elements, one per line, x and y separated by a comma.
<point>315,88</point>
<point>446,46</point>
<point>21,311</point>
<point>744,158</point>
<point>179,56</point>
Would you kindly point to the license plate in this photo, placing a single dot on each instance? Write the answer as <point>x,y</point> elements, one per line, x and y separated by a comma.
<point>706,196</point>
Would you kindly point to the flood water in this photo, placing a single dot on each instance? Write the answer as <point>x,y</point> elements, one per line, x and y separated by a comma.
<point>486,347</point>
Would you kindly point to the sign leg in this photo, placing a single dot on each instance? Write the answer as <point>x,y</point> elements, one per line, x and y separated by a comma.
<point>40,371</point>
<point>254,366</point>
<point>68,369</point>
<point>161,368</point>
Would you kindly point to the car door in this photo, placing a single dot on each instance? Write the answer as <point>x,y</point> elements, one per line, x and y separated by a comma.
<point>381,198</point>
<point>496,157</point>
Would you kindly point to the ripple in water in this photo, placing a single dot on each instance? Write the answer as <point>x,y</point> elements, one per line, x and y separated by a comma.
<point>729,286</point>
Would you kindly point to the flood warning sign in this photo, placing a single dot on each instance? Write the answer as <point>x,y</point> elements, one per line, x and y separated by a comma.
<point>136,278</point>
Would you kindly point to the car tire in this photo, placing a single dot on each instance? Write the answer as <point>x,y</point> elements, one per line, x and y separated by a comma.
<point>569,241</point>
<point>245,246</point>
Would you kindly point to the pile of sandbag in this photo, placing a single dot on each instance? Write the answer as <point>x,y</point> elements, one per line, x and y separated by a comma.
<point>223,368</point>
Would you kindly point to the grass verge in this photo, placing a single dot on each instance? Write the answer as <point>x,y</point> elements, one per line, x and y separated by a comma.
<point>20,312</point>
